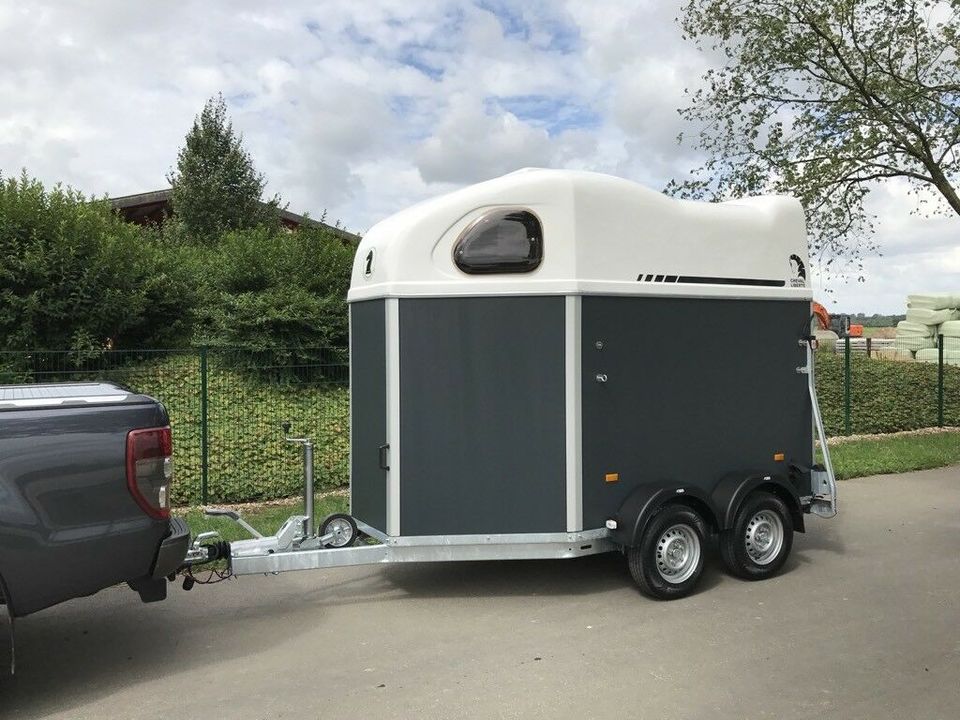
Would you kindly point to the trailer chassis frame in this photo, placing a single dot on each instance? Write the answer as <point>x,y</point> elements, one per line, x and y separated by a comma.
<point>252,557</point>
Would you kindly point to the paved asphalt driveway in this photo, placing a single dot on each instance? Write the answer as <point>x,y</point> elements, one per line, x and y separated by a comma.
<point>863,623</point>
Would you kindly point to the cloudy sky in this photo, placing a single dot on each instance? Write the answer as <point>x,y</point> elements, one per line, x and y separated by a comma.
<point>362,108</point>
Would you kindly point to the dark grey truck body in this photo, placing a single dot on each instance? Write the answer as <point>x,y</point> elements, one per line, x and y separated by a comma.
<point>68,524</point>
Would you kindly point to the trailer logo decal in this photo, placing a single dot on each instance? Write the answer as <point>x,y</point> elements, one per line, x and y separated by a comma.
<point>798,272</point>
<point>368,264</point>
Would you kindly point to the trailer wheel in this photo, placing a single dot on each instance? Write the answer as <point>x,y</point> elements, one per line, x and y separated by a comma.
<point>668,562</point>
<point>758,544</point>
<point>343,527</point>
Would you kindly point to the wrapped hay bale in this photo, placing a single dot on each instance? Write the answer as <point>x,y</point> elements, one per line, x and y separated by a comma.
<point>912,336</point>
<point>914,342</point>
<point>915,329</point>
<point>937,301</point>
<point>931,317</point>
<point>951,335</point>
<point>950,357</point>
<point>893,354</point>
<point>951,328</point>
<point>826,340</point>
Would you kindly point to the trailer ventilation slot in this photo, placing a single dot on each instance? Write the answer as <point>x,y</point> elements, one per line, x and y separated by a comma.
<point>702,280</point>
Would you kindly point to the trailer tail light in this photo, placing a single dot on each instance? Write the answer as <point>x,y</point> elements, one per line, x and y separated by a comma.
<point>150,469</point>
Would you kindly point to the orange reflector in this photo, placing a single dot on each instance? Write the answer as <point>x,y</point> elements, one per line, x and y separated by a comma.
<point>778,457</point>
<point>612,477</point>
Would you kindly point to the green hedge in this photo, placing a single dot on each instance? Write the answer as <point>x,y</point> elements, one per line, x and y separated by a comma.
<point>248,458</point>
<point>885,396</point>
<point>250,461</point>
<point>74,275</point>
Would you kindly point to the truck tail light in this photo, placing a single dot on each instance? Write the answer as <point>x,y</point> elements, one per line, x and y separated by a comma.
<point>150,469</point>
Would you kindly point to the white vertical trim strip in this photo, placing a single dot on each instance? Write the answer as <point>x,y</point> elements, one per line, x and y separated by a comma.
<point>393,415</point>
<point>350,404</point>
<point>574,437</point>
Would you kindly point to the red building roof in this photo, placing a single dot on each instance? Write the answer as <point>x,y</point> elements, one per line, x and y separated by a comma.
<point>153,208</point>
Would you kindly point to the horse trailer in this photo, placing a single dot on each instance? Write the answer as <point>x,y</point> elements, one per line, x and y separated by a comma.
<point>554,364</point>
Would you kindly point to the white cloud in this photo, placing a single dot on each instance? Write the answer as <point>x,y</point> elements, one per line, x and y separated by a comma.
<point>365,107</point>
<point>471,144</point>
<point>919,253</point>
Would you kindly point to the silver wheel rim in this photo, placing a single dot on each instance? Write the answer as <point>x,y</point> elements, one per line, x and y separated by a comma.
<point>678,553</point>
<point>764,537</point>
<point>342,532</point>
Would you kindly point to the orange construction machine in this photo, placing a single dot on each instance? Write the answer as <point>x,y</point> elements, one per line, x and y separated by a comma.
<point>840,325</point>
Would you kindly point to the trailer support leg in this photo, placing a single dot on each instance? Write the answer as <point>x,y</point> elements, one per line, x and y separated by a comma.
<point>308,488</point>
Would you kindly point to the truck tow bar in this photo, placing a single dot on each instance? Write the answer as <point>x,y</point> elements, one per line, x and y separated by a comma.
<point>201,552</point>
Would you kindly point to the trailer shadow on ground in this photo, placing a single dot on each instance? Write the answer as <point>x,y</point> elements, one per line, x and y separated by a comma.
<point>820,536</point>
<point>512,578</point>
<point>588,575</point>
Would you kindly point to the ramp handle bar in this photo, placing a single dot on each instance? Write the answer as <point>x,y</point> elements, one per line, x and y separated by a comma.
<point>233,515</point>
<point>823,483</point>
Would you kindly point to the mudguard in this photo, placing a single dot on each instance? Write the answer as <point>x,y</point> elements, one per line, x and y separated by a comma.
<point>644,502</point>
<point>5,597</point>
<point>733,487</point>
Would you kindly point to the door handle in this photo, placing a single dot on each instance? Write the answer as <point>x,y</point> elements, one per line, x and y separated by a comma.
<point>601,377</point>
<point>383,456</point>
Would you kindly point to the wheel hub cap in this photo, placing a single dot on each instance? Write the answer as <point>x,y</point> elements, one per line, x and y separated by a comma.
<point>341,531</point>
<point>678,553</point>
<point>764,537</point>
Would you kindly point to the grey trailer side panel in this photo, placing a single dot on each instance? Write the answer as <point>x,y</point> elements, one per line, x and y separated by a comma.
<point>694,388</point>
<point>482,415</point>
<point>368,412</point>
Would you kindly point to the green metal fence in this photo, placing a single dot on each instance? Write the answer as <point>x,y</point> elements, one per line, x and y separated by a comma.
<point>887,386</point>
<point>226,407</point>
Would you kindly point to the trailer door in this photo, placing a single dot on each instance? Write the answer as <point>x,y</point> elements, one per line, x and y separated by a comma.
<point>686,390</point>
<point>368,413</point>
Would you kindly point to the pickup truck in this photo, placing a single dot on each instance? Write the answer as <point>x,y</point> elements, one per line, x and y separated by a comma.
<point>85,480</point>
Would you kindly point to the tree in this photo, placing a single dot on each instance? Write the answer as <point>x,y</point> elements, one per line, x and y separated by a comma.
<point>276,293</point>
<point>824,99</point>
<point>215,185</point>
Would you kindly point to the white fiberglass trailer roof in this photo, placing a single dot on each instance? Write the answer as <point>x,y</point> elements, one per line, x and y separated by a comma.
<point>599,235</point>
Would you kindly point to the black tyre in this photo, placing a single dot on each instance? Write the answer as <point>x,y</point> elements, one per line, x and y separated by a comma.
<point>342,527</point>
<point>758,544</point>
<point>668,562</point>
